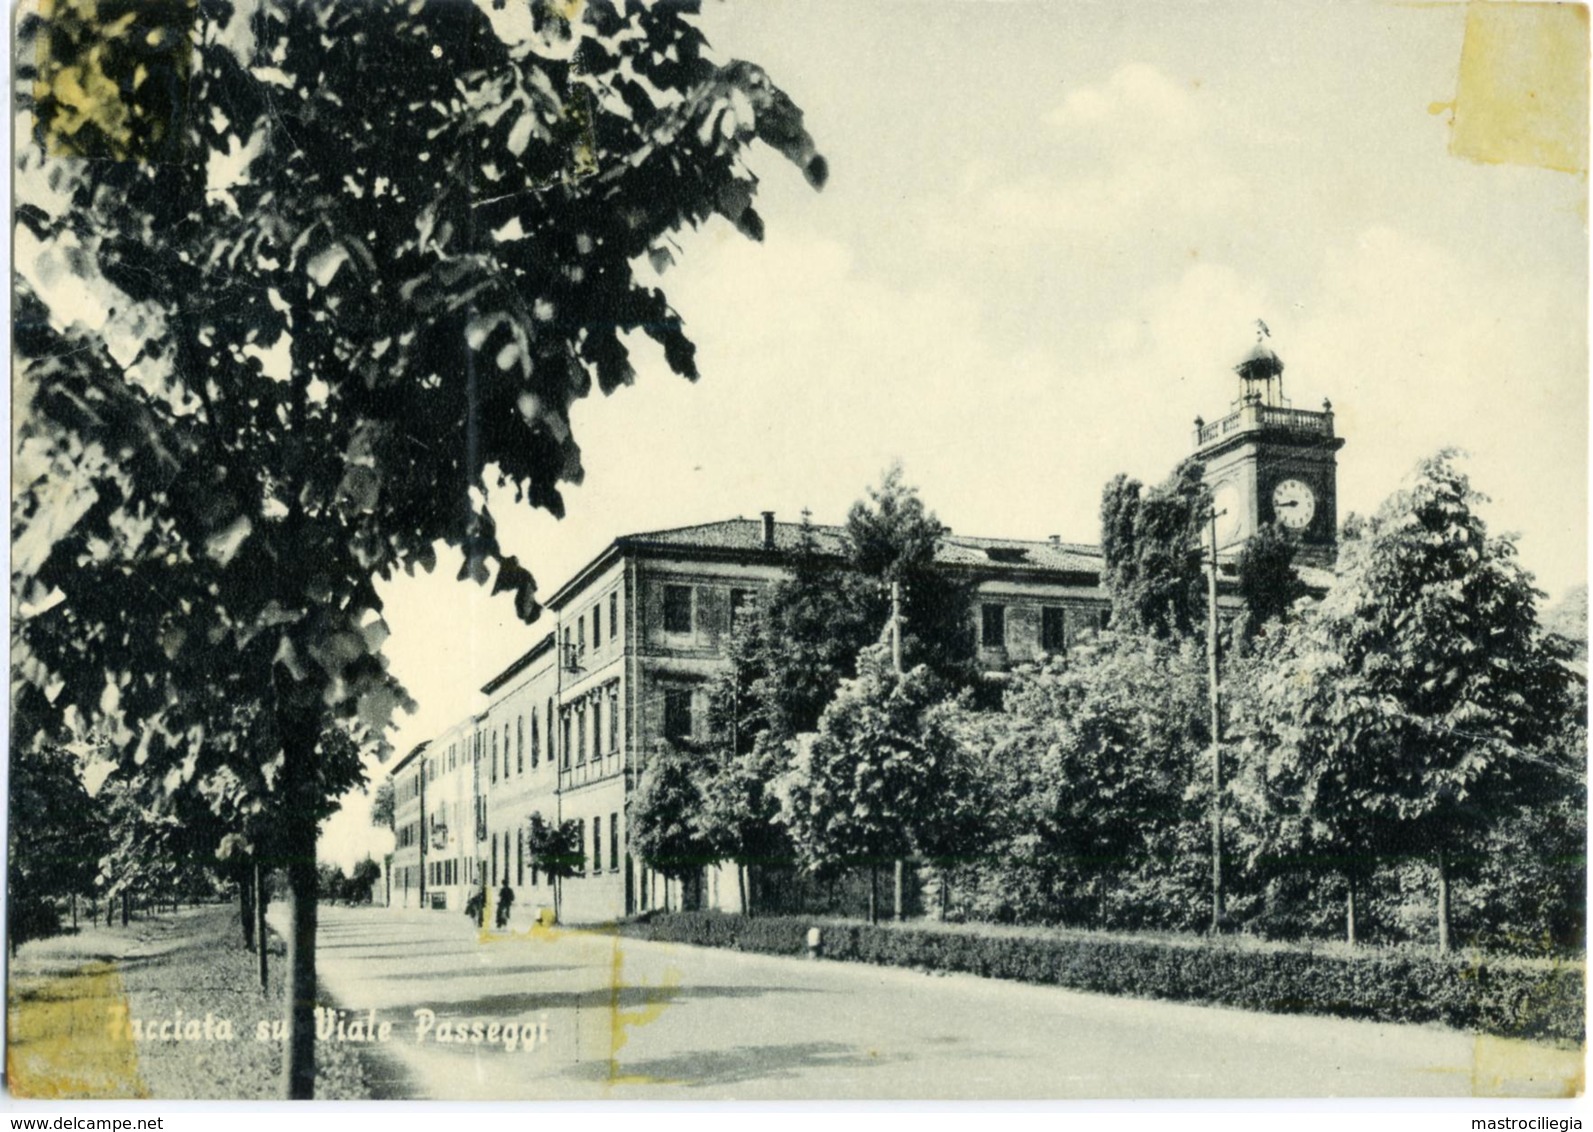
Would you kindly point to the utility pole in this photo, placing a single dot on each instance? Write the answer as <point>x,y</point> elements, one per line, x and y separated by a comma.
<point>1214,692</point>
<point>896,663</point>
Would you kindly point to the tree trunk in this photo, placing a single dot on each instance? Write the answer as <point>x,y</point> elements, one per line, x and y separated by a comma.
<point>74,912</point>
<point>298,1061</point>
<point>246,910</point>
<point>1443,900</point>
<point>1349,910</point>
<point>873,894</point>
<point>945,895</point>
<point>741,887</point>
<point>262,897</point>
<point>900,894</point>
<point>126,911</point>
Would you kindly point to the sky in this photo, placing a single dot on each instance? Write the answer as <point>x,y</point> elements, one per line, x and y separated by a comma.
<point>1048,232</point>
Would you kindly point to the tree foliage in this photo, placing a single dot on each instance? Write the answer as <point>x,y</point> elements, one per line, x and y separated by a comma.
<point>556,849</point>
<point>383,804</point>
<point>882,778</point>
<point>1096,768</point>
<point>54,839</point>
<point>892,537</point>
<point>739,810</point>
<point>811,626</point>
<point>1150,546</point>
<point>1407,713</point>
<point>666,813</point>
<point>1268,584</point>
<point>351,282</point>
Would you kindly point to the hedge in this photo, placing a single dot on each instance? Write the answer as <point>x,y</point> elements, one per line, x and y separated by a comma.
<point>1506,996</point>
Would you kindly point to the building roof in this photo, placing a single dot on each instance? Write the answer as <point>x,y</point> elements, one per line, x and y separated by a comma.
<point>414,752</point>
<point>995,554</point>
<point>742,539</point>
<point>519,665</point>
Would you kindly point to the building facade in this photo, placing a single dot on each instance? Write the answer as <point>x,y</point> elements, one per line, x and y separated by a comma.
<point>638,636</point>
<point>641,631</point>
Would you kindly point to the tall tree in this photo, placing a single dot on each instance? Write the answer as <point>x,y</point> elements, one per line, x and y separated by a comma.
<point>1269,584</point>
<point>739,810</point>
<point>878,781</point>
<point>352,279</point>
<point>382,804</point>
<point>892,538</point>
<point>1095,772</point>
<point>362,881</point>
<point>666,815</point>
<point>1409,711</point>
<point>555,848</point>
<point>53,840</point>
<point>1150,543</point>
<point>811,626</point>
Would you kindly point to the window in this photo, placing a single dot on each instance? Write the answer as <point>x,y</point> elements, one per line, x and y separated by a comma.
<point>494,856</point>
<point>564,757</point>
<point>1053,629</point>
<point>993,626</point>
<point>613,843</point>
<point>740,608</point>
<point>613,718</point>
<point>677,609</point>
<point>519,856</point>
<point>597,727</point>
<point>580,635</point>
<point>580,734</point>
<point>580,840</point>
<point>597,845</point>
<point>534,738</point>
<point>597,625</point>
<point>677,713</point>
<point>613,615</point>
<point>519,744</point>
<point>506,856</point>
<point>494,756</point>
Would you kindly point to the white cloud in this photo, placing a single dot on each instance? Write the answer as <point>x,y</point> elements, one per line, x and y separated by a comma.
<point>1127,159</point>
<point>1138,97</point>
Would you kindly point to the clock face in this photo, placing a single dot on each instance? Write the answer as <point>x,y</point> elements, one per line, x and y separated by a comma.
<point>1225,501</point>
<point>1294,504</point>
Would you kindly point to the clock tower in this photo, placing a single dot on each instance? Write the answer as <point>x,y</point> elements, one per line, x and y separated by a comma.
<point>1268,462</point>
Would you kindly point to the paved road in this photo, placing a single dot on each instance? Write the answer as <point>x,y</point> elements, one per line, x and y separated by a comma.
<point>629,1019</point>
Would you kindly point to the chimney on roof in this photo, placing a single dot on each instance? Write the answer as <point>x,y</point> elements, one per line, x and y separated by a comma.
<point>1056,540</point>
<point>768,530</point>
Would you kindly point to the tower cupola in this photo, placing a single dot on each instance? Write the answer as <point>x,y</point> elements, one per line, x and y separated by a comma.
<point>1267,462</point>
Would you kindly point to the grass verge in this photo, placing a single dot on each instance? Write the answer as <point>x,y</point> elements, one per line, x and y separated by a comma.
<point>72,1000</point>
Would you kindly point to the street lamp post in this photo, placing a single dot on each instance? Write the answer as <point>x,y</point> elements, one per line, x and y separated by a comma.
<point>1214,695</point>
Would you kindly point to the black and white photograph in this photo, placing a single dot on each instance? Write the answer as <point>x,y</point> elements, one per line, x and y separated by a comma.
<point>798,551</point>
